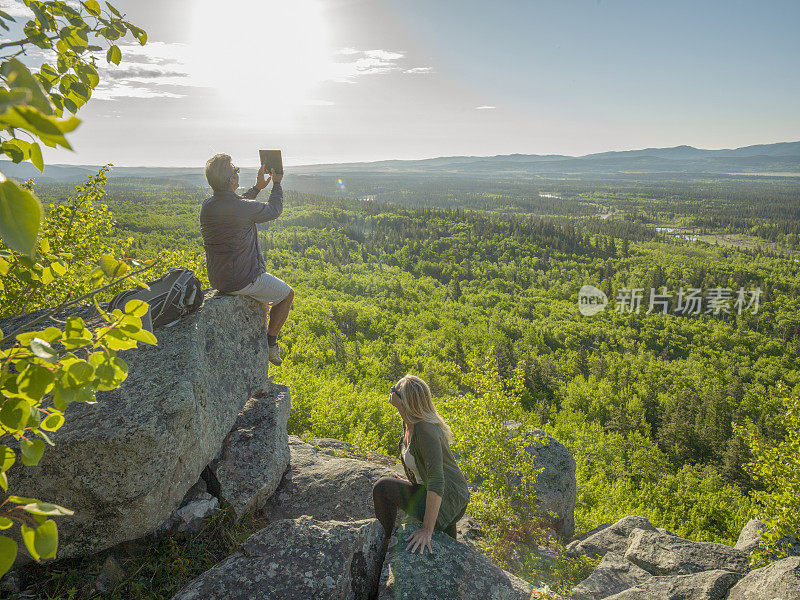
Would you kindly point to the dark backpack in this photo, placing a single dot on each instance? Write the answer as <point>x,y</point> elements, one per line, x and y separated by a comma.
<point>175,294</point>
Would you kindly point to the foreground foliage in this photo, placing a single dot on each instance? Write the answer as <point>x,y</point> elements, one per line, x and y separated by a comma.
<point>777,469</point>
<point>43,371</point>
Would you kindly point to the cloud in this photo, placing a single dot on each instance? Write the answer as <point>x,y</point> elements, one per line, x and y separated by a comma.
<point>364,62</point>
<point>113,92</point>
<point>144,71</point>
<point>160,53</point>
<point>485,107</point>
<point>370,62</point>
<point>319,103</point>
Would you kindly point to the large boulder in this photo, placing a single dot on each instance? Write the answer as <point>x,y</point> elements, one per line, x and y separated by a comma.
<point>609,538</point>
<point>750,538</point>
<point>780,579</point>
<point>255,453</point>
<point>665,554</point>
<point>124,464</point>
<point>453,572</point>
<point>324,487</point>
<point>707,585</point>
<point>298,559</point>
<point>556,486</point>
<point>614,574</point>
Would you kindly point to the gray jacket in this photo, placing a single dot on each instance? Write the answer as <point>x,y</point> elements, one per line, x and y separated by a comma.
<point>230,238</point>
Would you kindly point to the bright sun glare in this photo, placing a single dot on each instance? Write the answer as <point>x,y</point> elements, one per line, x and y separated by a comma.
<point>267,56</point>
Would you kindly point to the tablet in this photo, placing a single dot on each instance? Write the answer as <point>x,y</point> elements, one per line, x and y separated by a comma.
<point>272,160</point>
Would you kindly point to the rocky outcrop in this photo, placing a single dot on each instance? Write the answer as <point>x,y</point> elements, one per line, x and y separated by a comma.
<point>556,486</point>
<point>452,572</point>
<point>665,554</point>
<point>324,487</point>
<point>255,453</point>
<point>708,585</point>
<point>780,579</point>
<point>124,464</point>
<point>609,538</point>
<point>750,536</point>
<point>612,575</point>
<point>641,562</point>
<point>298,559</point>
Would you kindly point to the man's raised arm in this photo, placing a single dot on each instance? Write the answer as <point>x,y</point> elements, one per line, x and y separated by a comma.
<point>260,212</point>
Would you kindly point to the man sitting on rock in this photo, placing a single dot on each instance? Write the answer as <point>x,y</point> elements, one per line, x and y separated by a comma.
<point>230,238</point>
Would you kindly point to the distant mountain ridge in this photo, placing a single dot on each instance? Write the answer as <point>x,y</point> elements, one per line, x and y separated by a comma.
<point>782,157</point>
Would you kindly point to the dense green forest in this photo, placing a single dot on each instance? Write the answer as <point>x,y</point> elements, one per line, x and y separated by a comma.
<point>454,279</point>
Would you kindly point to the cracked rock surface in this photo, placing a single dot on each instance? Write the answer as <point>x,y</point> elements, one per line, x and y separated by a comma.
<point>453,572</point>
<point>298,559</point>
<point>256,452</point>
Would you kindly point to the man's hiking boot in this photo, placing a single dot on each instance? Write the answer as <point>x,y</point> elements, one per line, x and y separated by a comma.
<point>274,357</point>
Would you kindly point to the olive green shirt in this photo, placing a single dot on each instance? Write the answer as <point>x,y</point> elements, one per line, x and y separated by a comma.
<point>438,469</point>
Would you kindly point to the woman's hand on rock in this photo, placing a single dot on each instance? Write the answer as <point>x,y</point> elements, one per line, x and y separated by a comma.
<point>421,539</point>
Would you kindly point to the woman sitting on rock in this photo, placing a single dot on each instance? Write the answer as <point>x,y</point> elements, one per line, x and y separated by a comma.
<point>436,492</point>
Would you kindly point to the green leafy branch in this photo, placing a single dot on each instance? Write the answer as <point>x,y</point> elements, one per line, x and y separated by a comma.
<point>34,103</point>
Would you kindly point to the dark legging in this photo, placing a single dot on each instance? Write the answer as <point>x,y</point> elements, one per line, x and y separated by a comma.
<point>391,493</point>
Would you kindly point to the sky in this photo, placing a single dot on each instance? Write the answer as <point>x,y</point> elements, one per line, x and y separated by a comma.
<point>331,81</point>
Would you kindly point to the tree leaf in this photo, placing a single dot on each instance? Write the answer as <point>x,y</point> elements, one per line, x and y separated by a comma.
<point>47,509</point>
<point>58,268</point>
<point>113,9</point>
<point>43,350</point>
<point>19,77</point>
<point>110,371</point>
<point>34,381</point>
<point>112,267</point>
<point>80,373</point>
<point>48,129</point>
<point>114,54</point>
<point>32,451</point>
<point>8,554</point>
<point>14,414</point>
<point>20,217</point>
<point>21,500</point>
<point>137,308</point>
<point>52,422</point>
<point>139,334</point>
<point>46,539</point>
<point>92,6</point>
<point>36,157</point>
<point>29,537</point>
<point>10,98</point>
<point>7,458</point>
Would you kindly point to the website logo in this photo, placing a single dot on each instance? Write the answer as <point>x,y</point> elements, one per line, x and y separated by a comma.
<point>591,300</point>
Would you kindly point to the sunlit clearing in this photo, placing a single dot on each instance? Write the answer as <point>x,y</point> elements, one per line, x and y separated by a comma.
<point>263,56</point>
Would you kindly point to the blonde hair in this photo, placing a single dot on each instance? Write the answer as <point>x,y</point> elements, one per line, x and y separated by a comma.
<point>218,172</point>
<point>415,396</point>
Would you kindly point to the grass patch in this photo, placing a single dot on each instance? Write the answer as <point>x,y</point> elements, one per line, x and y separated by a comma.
<point>153,570</point>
